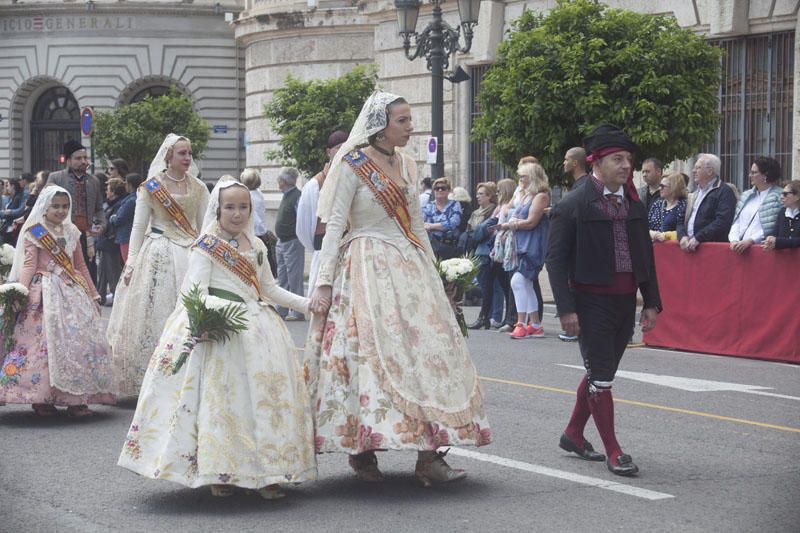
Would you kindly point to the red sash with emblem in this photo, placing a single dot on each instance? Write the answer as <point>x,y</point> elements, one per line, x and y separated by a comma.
<point>163,197</point>
<point>387,192</point>
<point>59,255</point>
<point>227,256</point>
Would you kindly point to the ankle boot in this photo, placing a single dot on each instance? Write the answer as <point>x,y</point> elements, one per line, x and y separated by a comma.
<point>432,469</point>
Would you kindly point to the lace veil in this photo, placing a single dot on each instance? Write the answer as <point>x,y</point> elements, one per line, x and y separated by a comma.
<point>159,163</point>
<point>371,120</point>
<point>71,233</point>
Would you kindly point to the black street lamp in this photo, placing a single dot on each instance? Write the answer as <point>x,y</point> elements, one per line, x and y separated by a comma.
<point>437,42</point>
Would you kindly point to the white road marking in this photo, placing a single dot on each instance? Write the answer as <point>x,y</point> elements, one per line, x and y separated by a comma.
<point>561,474</point>
<point>695,385</point>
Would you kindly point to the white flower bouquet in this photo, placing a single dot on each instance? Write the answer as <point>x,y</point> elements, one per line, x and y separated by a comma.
<point>210,319</point>
<point>13,297</point>
<point>457,276</point>
<point>6,259</point>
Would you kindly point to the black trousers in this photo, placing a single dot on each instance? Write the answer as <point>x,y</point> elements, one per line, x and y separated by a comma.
<point>90,264</point>
<point>606,322</point>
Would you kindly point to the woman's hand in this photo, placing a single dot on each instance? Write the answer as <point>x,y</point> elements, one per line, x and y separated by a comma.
<point>128,275</point>
<point>321,300</point>
<point>769,243</point>
<point>741,247</point>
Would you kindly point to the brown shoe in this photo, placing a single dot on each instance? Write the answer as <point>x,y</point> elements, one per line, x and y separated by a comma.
<point>432,469</point>
<point>79,411</point>
<point>365,466</point>
<point>45,410</point>
<point>222,491</point>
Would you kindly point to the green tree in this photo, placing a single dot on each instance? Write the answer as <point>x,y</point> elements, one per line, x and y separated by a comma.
<point>305,113</point>
<point>583,64</point>
<point>134,132</point>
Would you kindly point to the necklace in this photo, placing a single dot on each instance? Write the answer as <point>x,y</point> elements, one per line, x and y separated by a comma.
<point>176,180</point>
<point>233,240</point>
<point>384,151</point>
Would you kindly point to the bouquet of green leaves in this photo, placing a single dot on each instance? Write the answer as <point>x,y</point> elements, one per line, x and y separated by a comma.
<point>13,297</point>
<point>457,276</point>
<point>210,320</point>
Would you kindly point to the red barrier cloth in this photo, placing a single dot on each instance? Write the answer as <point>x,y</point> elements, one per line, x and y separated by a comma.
<point>717,301</point>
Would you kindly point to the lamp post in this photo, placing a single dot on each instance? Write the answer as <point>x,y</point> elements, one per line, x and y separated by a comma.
<point>437,42</point>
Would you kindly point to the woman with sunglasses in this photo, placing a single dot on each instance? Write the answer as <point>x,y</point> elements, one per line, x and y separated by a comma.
<point>669,208</point>
<point>757,211</point>
<point>442,219</point>
<point>788,222</point>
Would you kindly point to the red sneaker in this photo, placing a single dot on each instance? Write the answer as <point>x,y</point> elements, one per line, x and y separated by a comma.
<point>533,331</point>
<point>520,331</point>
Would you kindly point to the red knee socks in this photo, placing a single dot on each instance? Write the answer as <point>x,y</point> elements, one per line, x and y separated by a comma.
<point>580,414</point>
<point>601,404</point>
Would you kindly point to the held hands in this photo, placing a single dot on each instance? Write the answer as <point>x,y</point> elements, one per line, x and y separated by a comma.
<point>741,247</point>
<point>569,323</point>
<point>648,318</point>
<point>689,245</point>
<point>769,243</point>
<point>321,300</point>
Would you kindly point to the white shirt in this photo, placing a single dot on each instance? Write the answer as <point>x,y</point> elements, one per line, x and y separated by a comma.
<point>699,197</point>
<point>791,212</point>
<point>425,197</point>
<point>306,223</point>
<point>259,212</point>
<point>748,224</point>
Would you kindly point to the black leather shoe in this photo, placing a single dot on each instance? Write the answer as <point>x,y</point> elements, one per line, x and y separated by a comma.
<point>481,323</point>
<point>587,452</point>
<point>624,466</point>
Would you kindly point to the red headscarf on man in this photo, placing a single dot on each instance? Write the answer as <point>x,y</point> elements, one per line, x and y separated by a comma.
<point>607,139</point>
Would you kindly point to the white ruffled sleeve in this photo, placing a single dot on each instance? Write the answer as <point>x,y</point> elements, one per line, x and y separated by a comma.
<point>274,293</point>
<point>198,272</point>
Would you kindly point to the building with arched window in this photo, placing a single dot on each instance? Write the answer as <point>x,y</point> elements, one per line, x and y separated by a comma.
<point>59,57</point>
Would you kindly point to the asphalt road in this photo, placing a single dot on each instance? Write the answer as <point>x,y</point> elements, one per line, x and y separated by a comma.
<point>717,457</point>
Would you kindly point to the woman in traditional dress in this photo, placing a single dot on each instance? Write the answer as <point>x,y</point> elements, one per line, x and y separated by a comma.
<point>60,356</point>
<point>235,414</point>
<point>168,216</point>
<point>388,367</point>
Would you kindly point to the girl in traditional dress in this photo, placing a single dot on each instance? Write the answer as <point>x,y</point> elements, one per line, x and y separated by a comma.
<point>169,213</point>
<point>60,355</point>
<point>388,368</point>
<point>235,414</point>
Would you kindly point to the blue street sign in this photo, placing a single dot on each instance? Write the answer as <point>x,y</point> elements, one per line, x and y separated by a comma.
<point>87,121</point>
<point>220,128</point>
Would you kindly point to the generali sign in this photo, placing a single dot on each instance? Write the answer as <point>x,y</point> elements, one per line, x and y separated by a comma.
<point>39,23</point>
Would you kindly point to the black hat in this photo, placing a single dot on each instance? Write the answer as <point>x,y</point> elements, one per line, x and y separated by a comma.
<point>608,136</point>
<point>71,147</point>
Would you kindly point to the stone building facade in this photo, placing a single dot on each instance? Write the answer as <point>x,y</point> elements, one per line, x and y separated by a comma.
<point>58,57</point>
<point>327,37</point>
<point>103,53</point>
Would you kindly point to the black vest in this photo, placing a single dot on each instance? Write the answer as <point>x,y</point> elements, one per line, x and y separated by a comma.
<point>287,215</point>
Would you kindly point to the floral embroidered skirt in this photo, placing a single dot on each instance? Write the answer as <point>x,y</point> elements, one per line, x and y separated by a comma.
<point>235,413</point>
<point>141,309</point>
<point>75,354</point>
<point>383,365</point>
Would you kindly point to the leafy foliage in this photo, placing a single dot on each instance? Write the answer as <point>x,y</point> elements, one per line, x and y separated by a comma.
<point>583,64</point>
<point>134,132</point>
<point>305,113</point>
<point>208,324</point>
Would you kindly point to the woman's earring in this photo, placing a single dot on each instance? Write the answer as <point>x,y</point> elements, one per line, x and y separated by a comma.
<point>380,136</point>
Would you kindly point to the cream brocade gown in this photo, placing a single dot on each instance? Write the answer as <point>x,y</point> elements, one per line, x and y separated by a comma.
<point>388,367</point>
<point>236,413</point>
<point>159,253</point>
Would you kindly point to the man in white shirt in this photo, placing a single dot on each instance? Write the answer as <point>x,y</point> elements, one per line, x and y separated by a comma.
<point>709,213</point>
<point>310,230</point>
<point>427,192</point>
